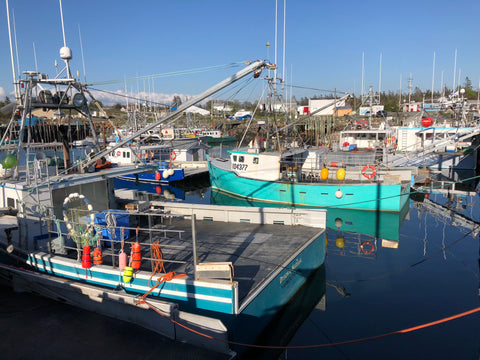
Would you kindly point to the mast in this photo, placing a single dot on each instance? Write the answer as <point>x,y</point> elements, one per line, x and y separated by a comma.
<point>433,75</point>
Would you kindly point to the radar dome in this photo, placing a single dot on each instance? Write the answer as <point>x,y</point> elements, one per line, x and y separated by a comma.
<point>65,53</point>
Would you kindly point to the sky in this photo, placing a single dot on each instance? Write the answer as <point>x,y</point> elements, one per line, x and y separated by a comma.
<point>326,43</point>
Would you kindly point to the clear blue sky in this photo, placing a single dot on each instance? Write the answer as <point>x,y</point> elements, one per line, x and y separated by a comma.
<point>324,41</point>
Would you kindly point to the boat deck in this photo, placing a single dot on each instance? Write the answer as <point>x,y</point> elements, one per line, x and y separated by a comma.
<point>255,251</point>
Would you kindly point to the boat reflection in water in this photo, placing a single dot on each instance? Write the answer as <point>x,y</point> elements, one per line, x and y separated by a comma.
<point>378,224</point>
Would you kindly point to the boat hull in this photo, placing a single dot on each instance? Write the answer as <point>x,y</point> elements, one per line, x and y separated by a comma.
<point>362,196</point>
<point>178,175</point>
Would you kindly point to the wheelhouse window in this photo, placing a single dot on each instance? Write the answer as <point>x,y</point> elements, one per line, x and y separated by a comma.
<point>241,159</point>
<point>234,157</point>
<point>255,160</point>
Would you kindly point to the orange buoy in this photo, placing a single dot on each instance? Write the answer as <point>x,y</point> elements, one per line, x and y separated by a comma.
<point>97,256</point>
<point>86,259</point>
<point>324,174</point>
<point>136,256</point>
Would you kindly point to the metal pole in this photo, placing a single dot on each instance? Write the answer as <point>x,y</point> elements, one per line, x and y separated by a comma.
<point>194,244</point>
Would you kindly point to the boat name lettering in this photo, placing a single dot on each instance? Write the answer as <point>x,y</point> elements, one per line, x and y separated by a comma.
<point>241,167</point>
<point>297,264</point>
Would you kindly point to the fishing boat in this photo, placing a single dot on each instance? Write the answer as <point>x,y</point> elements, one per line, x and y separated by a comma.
<point>62,236</point>
<point>437,144</point>
<point>173,160</point>
<point>284,179</point>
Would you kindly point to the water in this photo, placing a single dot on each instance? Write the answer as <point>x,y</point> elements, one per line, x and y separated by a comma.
<point>416,267</point>
<point>419,266</point>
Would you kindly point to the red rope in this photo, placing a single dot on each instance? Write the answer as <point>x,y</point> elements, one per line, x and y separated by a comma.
<point>414,328</point>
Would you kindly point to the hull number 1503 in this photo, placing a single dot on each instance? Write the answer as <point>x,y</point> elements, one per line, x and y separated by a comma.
<point>239,167</point>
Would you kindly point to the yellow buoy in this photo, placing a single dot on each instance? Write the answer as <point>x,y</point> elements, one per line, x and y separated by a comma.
<point>324,174</point>
<point>340,242</point>
<point>341,174</point>
<point>127,274</point>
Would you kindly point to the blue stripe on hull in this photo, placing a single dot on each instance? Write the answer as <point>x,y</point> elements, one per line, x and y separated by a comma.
<point>360,197</point>
<point>204,297</point>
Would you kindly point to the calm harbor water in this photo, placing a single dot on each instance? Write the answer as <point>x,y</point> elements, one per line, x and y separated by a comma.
<point>386,273</point>
<point>383,273</point>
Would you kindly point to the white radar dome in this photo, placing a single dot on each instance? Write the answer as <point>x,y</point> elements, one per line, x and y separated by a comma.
<point>65,53</point>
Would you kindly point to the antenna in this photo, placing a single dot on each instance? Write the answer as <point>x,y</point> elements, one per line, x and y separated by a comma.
<point>65,52</point>
<point>276,28</point>
<point>15,35</point>
<point>17,92</point>
<point>454,71</point>
<point>283,57</point>
<point>63,28</point>
<point>81,49</point>
<point>35,56</point>
<point>380,78</point>
<point>363,71</point>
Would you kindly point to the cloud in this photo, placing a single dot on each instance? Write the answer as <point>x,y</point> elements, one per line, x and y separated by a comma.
<point>120,97</point>
<point>2,93</point>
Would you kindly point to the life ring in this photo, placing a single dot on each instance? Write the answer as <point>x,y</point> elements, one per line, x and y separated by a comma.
<point>173,155</point>
<point>367,243</point>
<point>70,228</point>
<point>372,174</point>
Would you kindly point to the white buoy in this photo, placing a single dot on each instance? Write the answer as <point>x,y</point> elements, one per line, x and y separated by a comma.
<point>338,194</point>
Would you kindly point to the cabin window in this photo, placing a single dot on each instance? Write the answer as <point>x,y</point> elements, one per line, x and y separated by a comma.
<point>234,157</point>
<point>255,160</point>
<point>241,159</point>
<point>11,203</point>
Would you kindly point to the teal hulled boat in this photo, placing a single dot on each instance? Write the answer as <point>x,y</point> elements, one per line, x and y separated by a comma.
<point>283,178</point>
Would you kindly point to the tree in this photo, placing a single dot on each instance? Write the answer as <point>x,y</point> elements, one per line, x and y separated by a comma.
<point>468,83</point>
<point>177,101</point>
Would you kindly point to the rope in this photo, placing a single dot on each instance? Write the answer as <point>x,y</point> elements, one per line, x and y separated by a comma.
<point>158,260</point>
<point>167,277</point>
<point>315,346</point>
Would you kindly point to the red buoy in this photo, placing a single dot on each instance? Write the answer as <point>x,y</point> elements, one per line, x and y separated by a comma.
<point>158,189</point>
<point>86,259</point>
<point>136,256</point>
<point>158,176</point>
<point>427,121</point>
<point>97,256</point>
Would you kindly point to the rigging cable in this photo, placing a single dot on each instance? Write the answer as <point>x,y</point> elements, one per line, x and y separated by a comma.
<point>169,74</point>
